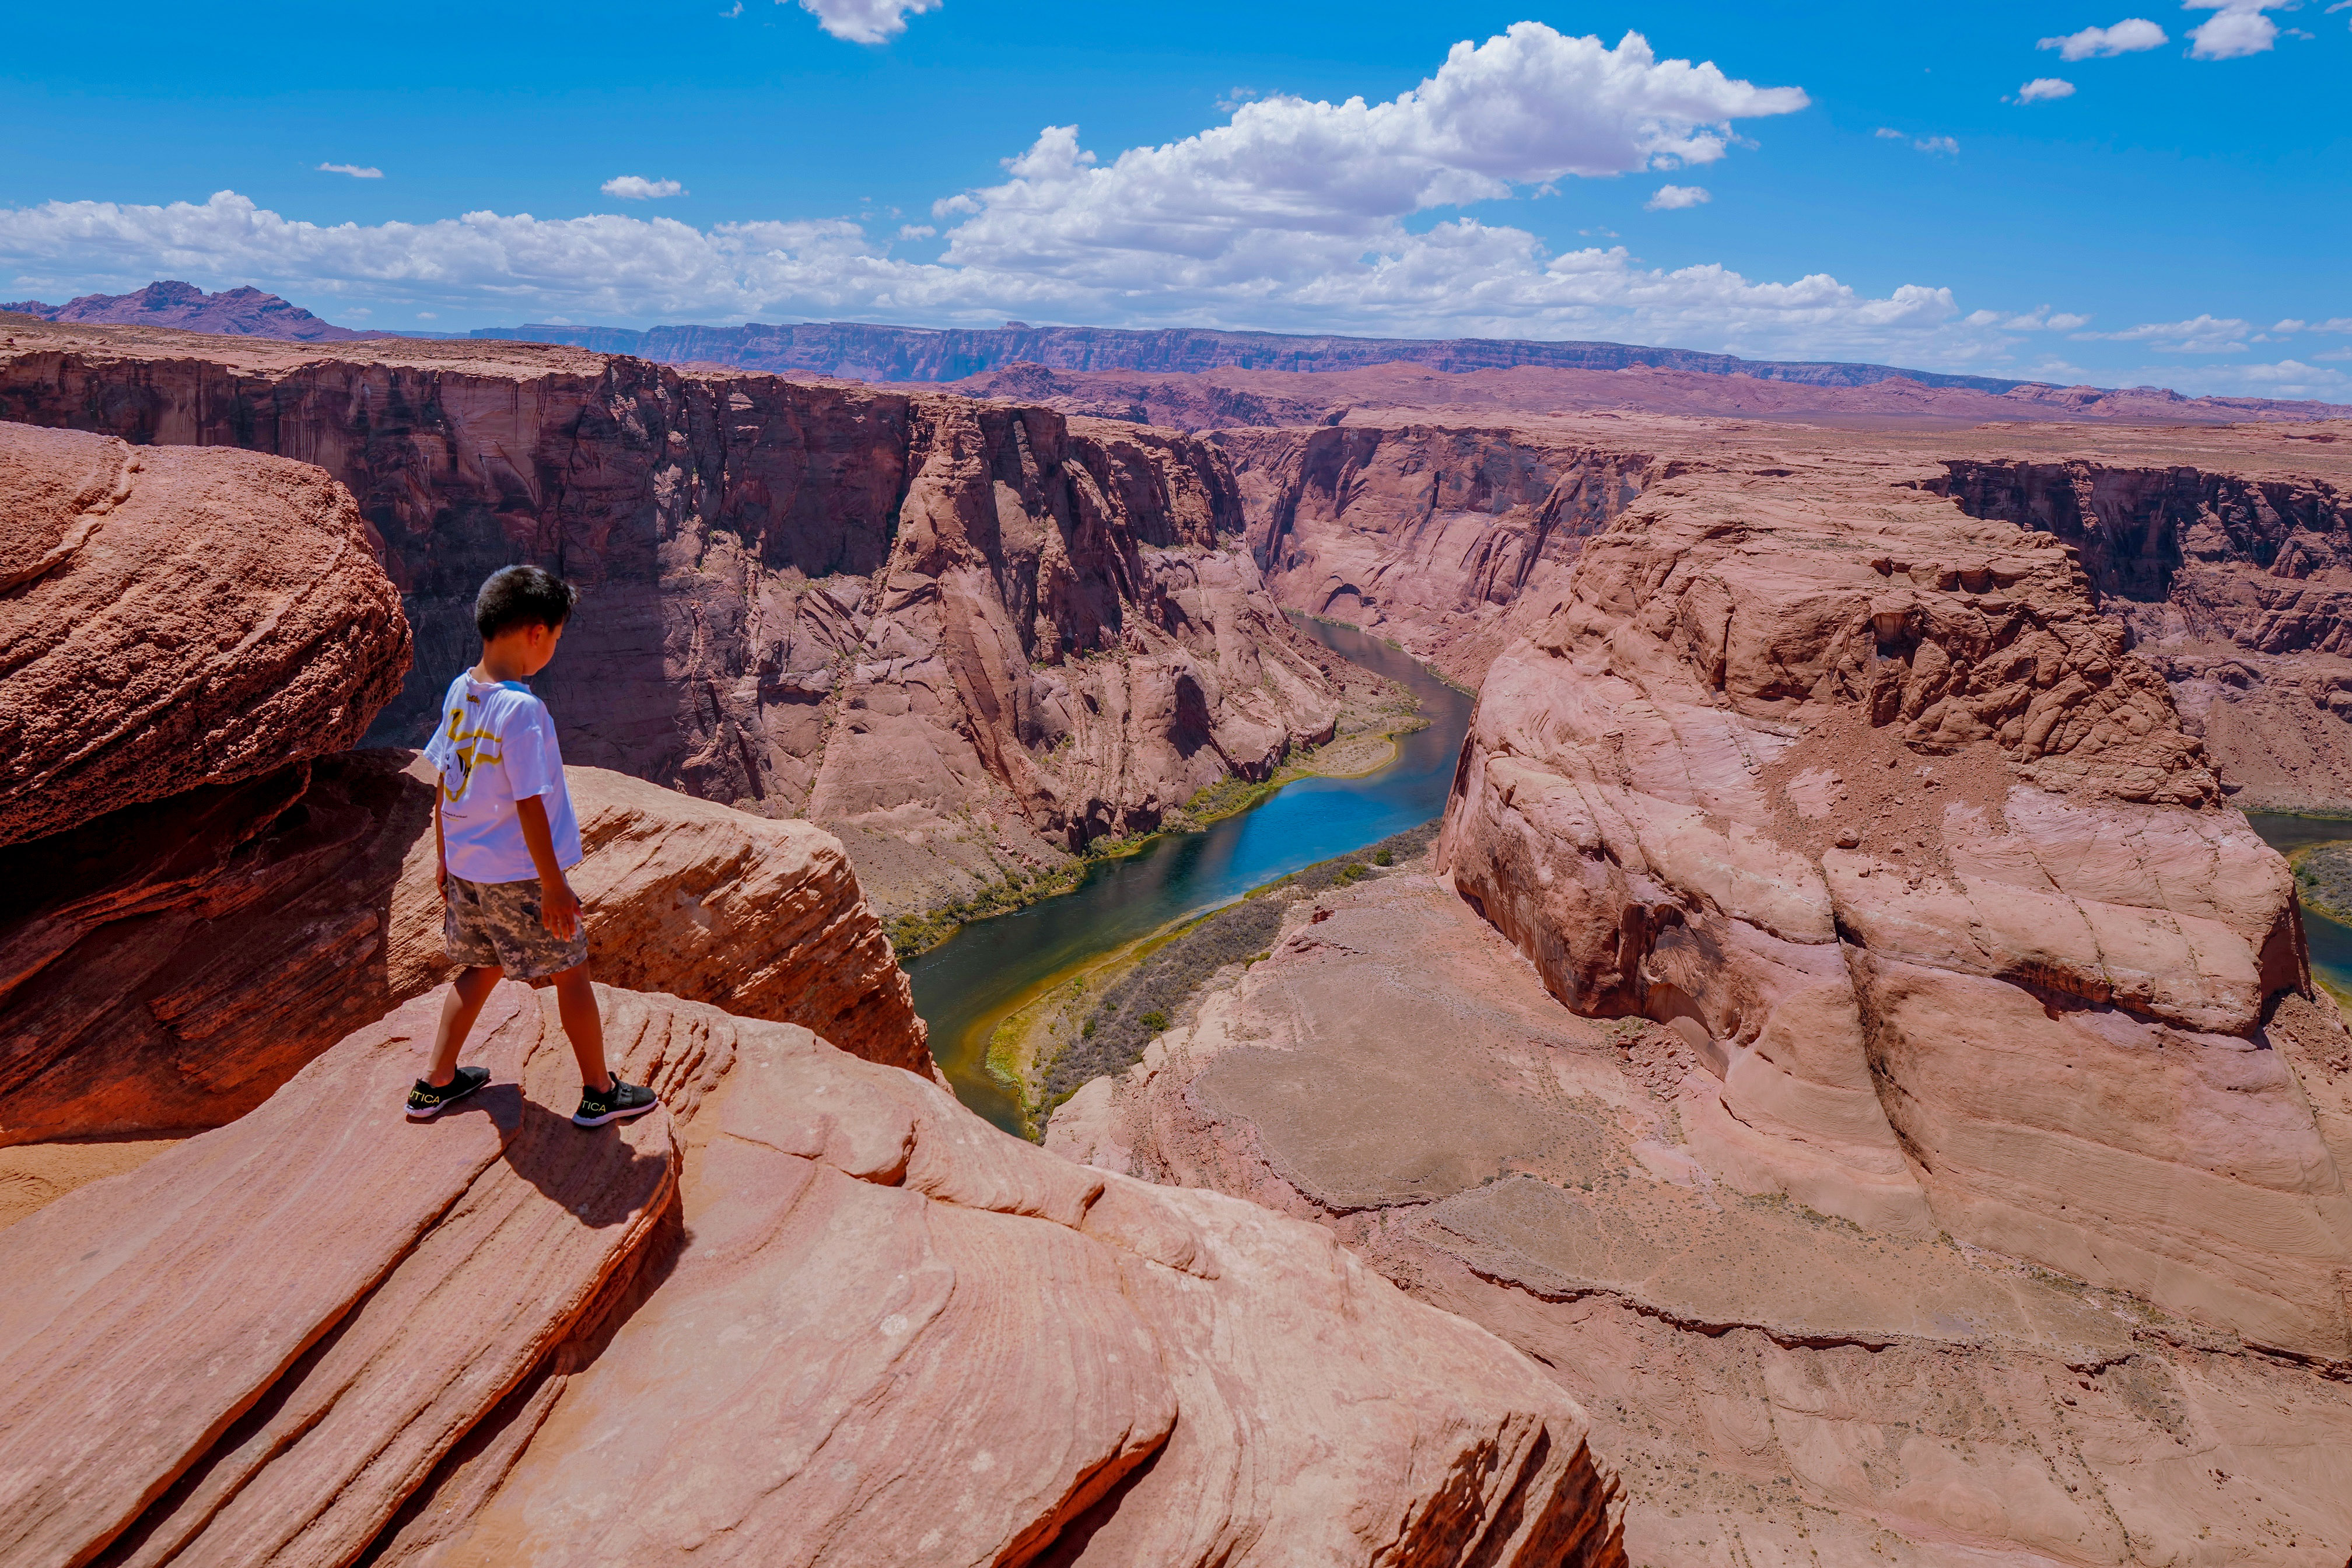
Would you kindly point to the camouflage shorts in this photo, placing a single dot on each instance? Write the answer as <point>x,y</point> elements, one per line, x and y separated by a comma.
<point>488,923</point>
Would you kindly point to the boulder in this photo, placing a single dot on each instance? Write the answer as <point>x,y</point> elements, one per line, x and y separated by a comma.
<point>172,619</point>
<point>812,1310</point>
<point>168,966</point>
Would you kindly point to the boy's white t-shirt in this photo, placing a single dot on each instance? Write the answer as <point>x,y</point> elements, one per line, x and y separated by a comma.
<point>494,744</point>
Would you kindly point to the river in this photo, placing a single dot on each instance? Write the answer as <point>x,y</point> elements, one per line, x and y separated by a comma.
<point>2331,940</point>
<point>965,986</point>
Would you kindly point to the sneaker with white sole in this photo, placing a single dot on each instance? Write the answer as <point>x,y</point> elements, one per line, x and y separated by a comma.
<point>425,1101</point>
<point>598,1106</point>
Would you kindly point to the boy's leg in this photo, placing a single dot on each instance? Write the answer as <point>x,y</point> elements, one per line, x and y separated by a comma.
<point>458,1010</point>
<point>575,1003</point>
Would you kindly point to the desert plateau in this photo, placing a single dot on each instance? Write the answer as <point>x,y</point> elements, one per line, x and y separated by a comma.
<point>871,785</point>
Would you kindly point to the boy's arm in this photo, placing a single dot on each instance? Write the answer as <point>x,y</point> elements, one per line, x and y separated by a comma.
<point>440,848</point>
<point>558,910</point>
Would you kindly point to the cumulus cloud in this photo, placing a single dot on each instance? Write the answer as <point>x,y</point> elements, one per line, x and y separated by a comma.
<point>2237,28</point>
<point>2127,37</point>
<point>916,231</point>
<point>2043,89</point>
<point>1292,216</point>
<point>865,21</point>
<point>1671,198</point>
<point>1289,179</point>
<point>637,188</point>
<point>355,171</point>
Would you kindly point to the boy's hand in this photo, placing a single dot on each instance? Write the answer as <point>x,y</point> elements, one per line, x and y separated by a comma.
<point>559,909</point>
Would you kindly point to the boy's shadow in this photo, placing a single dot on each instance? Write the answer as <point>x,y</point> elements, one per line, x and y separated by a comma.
<point>593,1171</point>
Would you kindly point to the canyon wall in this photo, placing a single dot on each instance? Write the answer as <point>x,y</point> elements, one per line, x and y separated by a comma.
<point>1870,797</point>
<point>1845,1033</point>
<point>2237,587</point>
<point>1427,535</point>
<point>205,891</point>
<point>804,600</point>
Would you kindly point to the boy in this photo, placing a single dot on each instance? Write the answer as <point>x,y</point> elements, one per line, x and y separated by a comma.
<point>505,835</point>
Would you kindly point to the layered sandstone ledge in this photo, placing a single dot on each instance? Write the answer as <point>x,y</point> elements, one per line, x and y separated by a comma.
<point>813,1310</point>
<point>912,613</point>
<point>168,967</point>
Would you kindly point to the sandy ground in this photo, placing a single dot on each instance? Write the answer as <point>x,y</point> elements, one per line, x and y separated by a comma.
<point>35,1176</point>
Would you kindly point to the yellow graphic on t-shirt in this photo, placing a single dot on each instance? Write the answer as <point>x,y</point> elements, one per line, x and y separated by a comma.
<point>468,754</point>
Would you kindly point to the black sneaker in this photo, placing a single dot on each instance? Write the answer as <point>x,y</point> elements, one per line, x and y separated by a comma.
<point>598,1106</point>
<point>425,1102</point>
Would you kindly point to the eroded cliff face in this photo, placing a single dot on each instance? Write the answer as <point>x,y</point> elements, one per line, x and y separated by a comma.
<point>2238,588</point>
<point>800,599</point>
<point>1847,1036</point>
<point>1868,796</point>
<point>1425,535</point>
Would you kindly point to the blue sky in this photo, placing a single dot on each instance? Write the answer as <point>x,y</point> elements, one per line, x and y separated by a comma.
<point>1878,181</point>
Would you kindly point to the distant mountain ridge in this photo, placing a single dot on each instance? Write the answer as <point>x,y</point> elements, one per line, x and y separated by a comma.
<point>969,358</point>
<point>244,312</point>
<point>862,352</point>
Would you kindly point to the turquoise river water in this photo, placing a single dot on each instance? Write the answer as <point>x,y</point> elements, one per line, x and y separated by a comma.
<point>965,986</point>
<point>2331,942</point>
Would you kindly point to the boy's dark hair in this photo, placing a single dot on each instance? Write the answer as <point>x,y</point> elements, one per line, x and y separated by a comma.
<point>521,596</point>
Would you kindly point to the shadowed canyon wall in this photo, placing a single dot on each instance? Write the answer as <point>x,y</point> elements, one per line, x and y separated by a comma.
<point>1427,535</point>
<point>2238,588</point>
<point>806,600</point>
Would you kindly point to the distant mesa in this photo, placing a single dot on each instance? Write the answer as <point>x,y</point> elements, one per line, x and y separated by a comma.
<point>1523,373</point>
<point>244,313</point>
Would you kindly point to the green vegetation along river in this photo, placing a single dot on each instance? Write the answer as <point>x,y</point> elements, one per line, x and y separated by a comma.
<point>969,983</point>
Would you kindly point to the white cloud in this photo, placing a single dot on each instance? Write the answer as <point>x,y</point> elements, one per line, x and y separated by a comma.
<point>637,188</point>
<point>2043,89</point>
<point>1944,145</point>
<point>1673,198</point>
<point>1333,180</point>
<point>865,21</point>
<point>2204,334</point>
<point>1293,215</point>
<point>2036,320</point>
<point>2286,378</point>
<point>2237,28</point>
<point>2127,37</point>
<point>355,171</point>
<point>916,231</point>
<point>421,315</point>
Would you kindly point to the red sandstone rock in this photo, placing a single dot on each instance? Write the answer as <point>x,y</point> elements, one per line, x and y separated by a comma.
<point>171,619</point>
<point>2020,997</point>
<point>874,1330</point>
<point>806,600</point>
<point>1772,1384</point>
<point>1426,535</point>
<point>211,944</point>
